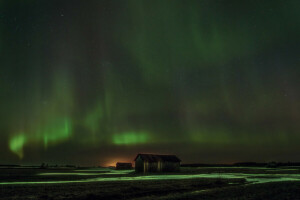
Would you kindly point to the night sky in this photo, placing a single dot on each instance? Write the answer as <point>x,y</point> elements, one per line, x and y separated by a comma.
<point>96,82</point>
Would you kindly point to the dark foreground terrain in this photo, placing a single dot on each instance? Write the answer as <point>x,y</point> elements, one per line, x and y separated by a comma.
<point>95,184</point>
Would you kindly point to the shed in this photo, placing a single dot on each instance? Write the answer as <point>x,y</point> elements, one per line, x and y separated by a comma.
<point>156,163</point>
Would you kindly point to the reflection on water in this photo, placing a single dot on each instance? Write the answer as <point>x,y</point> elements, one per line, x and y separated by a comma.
<point>250,178</point>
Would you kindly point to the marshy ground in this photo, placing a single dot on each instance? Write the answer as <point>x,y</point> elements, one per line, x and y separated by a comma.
<point>190,183</point>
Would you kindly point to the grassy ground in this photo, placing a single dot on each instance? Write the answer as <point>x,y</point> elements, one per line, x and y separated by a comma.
<point>246,170</point>
<point>269,191</point>
<point>198,188</point>
<point>112,190</point>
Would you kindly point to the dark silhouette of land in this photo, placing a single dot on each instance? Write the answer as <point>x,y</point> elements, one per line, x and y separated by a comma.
<point>245,164</point>
<point>246,180</point>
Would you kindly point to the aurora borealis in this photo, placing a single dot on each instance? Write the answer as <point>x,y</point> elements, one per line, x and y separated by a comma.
<point>96,82</point>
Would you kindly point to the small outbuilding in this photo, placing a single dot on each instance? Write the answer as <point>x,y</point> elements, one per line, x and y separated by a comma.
<point>156,163</point>
<point>123,166</point>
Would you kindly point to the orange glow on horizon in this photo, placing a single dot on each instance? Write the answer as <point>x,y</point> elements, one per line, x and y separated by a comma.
<point>113,161</point>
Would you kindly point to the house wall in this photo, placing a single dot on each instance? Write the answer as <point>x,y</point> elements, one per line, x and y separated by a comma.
<point>144,166</point>
<point>170,166</point>
<point>159,166</point>
<point>139,165</point>
<point>153,167</point>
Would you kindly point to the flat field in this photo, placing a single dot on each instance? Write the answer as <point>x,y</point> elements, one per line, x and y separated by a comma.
<point>190,183</point>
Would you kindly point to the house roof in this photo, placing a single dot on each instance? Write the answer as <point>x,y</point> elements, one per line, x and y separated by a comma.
<point>156,158</point>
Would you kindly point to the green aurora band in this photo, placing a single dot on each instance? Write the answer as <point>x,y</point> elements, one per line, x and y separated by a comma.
<point>209,80</point>
<point>130,138</point>
<point>16,144</point>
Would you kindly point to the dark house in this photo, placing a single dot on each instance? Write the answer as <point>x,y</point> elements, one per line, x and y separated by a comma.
<point>122,166</point>
<point>156,163</point>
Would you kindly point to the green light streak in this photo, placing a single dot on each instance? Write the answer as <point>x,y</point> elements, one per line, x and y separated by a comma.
<point>70,174</point>
<point>224,136</point>
<point>92,120</point>
<point>16,144</point>
<point>58,131</point>
<point>252,178</point>
<point>130,138</point>
<point>49,121</point>
<point>53,133</point>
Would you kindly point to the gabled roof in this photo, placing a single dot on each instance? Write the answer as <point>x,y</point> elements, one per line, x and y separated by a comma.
<point>156,158</point>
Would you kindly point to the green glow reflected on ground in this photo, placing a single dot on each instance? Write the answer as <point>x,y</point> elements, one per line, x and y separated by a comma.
<point>69,174</point>
<point>251,178</point>
<point>92,169</point>
<point>16,144</point>
<point>129,138</point>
